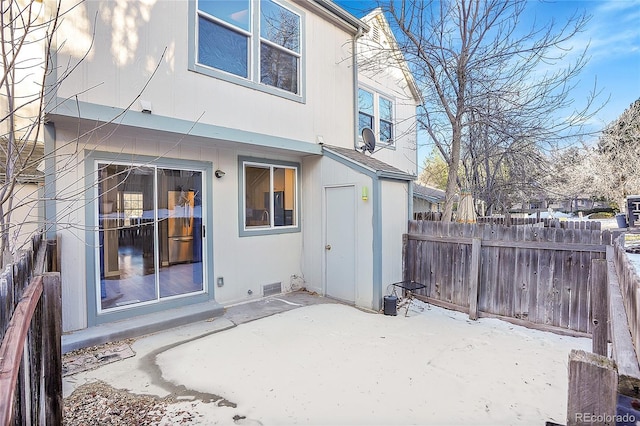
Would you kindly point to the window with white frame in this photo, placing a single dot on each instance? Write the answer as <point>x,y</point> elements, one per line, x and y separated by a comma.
<point>376,112</point>
<point>133,206</point>
<point>259,41</point>
<point>270,195</point>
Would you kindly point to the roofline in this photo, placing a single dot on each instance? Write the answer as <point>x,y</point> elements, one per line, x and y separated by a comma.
<point>382,174</point>
<point>408,75</point>
<point>345,16</point>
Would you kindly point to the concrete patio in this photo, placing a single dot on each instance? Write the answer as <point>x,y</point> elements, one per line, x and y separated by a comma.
<point>310,360</point>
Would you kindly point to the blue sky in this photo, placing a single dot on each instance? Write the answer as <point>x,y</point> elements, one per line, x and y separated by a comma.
<point>613,35</point>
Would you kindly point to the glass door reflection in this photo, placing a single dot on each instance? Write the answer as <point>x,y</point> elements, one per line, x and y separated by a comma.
<point>150,234</point>
<point>180,237</point>
<point>126,234</point>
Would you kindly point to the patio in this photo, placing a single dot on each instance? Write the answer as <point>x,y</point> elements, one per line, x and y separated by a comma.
<point>331,364</point>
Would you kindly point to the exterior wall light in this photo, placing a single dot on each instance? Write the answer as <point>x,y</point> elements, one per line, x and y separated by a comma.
<point>219,173</point>
<point>365,193</point>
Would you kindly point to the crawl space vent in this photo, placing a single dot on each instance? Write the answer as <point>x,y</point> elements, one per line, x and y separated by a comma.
<point>271,289</point>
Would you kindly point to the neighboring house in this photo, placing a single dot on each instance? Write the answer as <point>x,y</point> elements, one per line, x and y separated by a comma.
<point>218,149</point>
<point>427,199</point>
<point>26,206</point>
<point>563,205</point>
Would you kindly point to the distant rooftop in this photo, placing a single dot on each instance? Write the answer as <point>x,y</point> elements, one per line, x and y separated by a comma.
<point>428,193</point>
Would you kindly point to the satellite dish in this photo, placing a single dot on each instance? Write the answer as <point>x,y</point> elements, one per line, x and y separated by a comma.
<point>369,140</point>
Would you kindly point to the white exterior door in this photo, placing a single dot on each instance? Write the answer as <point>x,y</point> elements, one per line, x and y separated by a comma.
<point>340,250</point>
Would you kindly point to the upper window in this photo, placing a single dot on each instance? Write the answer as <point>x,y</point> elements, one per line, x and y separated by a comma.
<point>258,41</point>
<point>270,196</point>
<point>376,112</point>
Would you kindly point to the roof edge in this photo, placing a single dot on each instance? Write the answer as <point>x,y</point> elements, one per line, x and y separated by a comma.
<point>345,16</point>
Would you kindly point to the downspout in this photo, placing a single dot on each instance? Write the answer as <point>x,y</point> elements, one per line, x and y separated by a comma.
<point>354,49</point>
<point>376,184</point>
<point>49,139</point>
<point>410,192</point>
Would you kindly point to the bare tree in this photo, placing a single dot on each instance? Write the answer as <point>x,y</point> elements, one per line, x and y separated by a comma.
<point>26,32</point>
<point>616,159</point>
<point>569,174</point>
<point>483,75</point>
<point>502,172</point>
<point>29,82</point>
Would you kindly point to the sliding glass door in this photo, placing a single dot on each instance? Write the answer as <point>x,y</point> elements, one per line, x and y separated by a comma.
<point>150,234</point>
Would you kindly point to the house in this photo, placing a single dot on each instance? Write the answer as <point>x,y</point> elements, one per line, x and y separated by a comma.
<point>427,199</point>
<point>566,205</point>
<point>26,211</point>
<point>217,149</point>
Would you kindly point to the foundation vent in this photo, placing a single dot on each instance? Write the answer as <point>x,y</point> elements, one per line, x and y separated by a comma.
<point>271,289</point>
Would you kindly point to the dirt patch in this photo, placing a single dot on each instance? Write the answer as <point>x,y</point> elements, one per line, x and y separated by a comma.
<point>99,403</point>
<point>96,356</point>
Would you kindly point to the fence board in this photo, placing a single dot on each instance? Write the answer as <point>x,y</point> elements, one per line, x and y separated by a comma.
<point>476,246</point>
<point>599,307</point>
<point>522,285</point>
<point>52,348</point>
<point>562,287</point>
<point>556,284</point>
<point>579,285</point>
<point>544,274</point>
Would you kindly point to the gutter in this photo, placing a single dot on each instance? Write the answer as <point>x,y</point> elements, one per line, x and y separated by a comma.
<point>343,14</point>
<point>386,174</point>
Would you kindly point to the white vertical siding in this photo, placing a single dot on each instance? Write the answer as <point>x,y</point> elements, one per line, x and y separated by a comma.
<point>379,70</point>
<point>320,174</point>
<point>394,223</point>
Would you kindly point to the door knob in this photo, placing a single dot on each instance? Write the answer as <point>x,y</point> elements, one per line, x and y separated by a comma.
<point>327,247</point>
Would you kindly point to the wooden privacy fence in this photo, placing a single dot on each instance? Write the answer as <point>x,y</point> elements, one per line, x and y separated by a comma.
<point>629,284</point>
<point>30,330</point>
<point>535,276</point>
<point>597,383</point>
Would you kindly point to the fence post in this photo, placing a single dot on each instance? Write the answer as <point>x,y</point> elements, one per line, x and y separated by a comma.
<point>52,348</point>
<point>405,260</point>
<point>593,384</point>
<point>476,246</point>
<point>599,307</point>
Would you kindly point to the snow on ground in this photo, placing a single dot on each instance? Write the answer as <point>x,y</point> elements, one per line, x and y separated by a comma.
<point>331,364</point>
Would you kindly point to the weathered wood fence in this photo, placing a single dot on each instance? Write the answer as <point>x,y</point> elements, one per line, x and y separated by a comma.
<point>30,330</point>
<point>628,290</point>
<point>605,381</point>
<point>538,277</point>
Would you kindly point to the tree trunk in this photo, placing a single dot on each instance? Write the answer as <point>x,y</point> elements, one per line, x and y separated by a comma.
<point>452,177</point>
